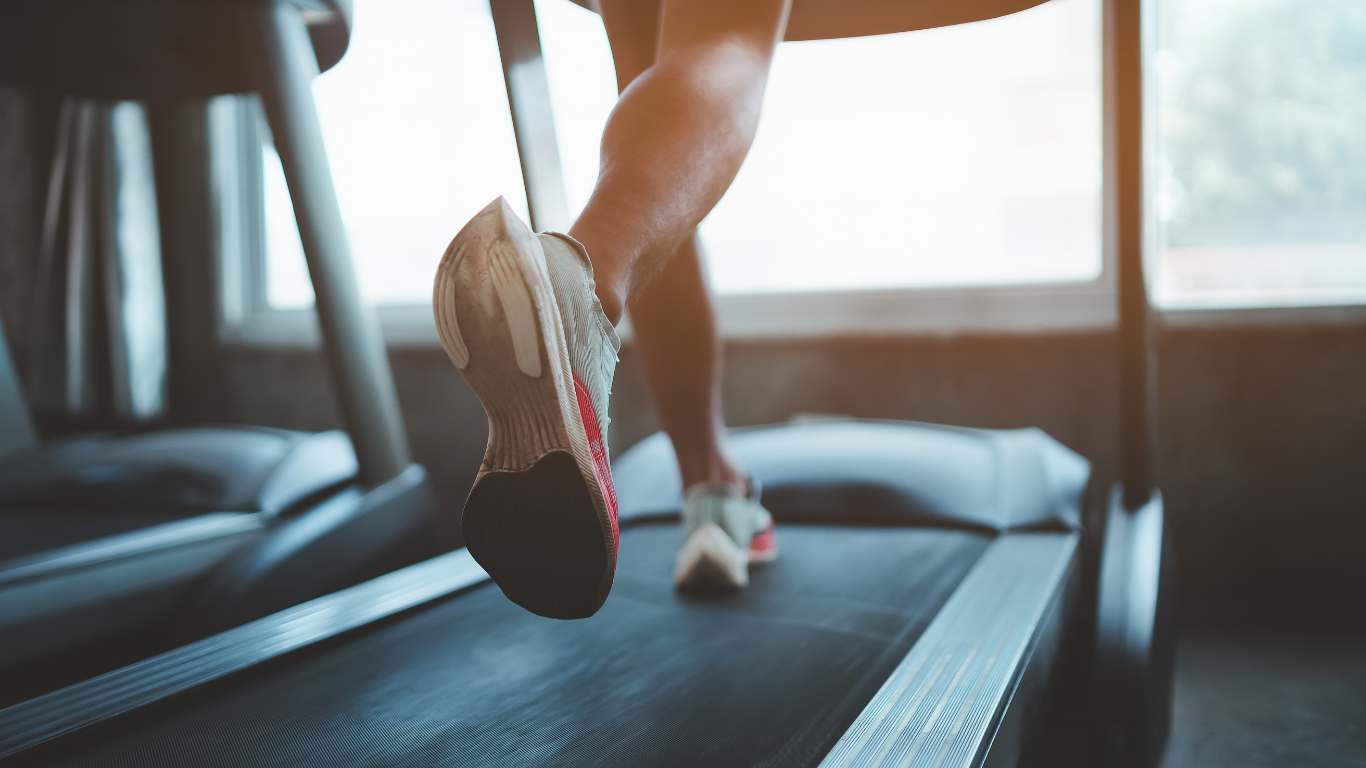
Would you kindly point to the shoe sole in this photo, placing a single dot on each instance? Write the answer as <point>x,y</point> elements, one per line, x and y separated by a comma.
<point>541,518</point>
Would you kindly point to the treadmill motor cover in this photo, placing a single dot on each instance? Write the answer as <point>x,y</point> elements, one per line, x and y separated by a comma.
<point>178,472</point>
<point>881,473</point>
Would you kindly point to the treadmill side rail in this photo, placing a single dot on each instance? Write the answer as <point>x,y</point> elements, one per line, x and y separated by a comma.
<point>98,699</point>
<point>71,595</point>
<point>122,546</point>
<point>959,696</point>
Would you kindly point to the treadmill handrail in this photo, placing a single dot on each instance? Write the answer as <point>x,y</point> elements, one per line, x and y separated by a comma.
<point>98,699</point>
<point>1129,30</point>
<point>132,544</point>
<point>945,702</point>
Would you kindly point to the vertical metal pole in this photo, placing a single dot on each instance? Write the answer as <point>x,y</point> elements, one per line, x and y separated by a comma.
<point>196,371</point>
<point>47,359</point>
<point>1125,135</point>
<point>351,336</point>
<point>533,121</point>
<point>16,426</point>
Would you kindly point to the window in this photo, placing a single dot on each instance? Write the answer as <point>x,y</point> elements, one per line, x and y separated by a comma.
<point>976,150</point>
<point>962,156</point>
<point>1261,171</point>
<point>954,175</point>
<point>415,118</point>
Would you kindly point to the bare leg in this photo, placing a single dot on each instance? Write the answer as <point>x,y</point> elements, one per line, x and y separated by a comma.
<point>673,315</point>
<point>677,136</point>
<point>675,327</point>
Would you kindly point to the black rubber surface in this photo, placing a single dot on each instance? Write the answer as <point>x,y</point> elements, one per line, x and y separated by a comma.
<point>770,676</point>
<point>537,534</point>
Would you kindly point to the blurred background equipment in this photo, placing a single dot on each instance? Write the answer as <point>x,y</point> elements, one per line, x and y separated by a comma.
<point>147,532</point>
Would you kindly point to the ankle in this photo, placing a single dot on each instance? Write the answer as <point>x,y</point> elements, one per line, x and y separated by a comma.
<point>613,303</point>
<point>606,262</point>
<point>724,472</point>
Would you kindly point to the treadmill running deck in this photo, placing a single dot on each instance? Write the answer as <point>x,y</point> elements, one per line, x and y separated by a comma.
<point>771,676</point>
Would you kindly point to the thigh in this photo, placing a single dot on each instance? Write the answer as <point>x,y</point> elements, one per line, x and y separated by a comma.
<point>633,30</point>
<point>755,24</point>
<point>639,30</point>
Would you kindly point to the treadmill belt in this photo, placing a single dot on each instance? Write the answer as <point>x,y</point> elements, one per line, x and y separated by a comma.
<point>772,675</point>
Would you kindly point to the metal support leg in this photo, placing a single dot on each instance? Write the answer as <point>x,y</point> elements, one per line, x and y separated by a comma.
<point>1135,614</point>
<point>519,46</point>
<point>16,427</point>
<point>351,336</point>
<point>196,374</point>
<point>1125,21</point>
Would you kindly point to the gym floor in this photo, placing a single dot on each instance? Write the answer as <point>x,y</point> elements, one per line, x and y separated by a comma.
<point>1252,700</point>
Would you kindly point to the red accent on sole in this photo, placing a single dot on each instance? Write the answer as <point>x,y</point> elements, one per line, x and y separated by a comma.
<point>764,545</point>
<point>601,468</point>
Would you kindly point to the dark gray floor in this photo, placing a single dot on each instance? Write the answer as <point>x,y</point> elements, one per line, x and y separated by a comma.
<point>1251,700</point>
<point>1244,700</point>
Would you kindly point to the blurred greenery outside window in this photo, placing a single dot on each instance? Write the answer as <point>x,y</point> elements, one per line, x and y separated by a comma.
<point>1260,195</point>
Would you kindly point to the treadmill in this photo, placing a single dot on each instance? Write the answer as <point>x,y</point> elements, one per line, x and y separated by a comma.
<point>119,545</point>
<point>931,585</point>
<point>930,577</point>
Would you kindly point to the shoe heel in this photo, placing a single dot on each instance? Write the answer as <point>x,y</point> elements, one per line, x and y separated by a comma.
<point>490,299</point>
<point>709,560</point>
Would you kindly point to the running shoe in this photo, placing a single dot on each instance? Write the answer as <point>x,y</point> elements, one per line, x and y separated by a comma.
<point>518,315</point>
<point>724,531</point>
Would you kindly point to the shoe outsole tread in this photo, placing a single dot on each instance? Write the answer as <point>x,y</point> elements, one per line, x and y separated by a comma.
<point>536,533</point>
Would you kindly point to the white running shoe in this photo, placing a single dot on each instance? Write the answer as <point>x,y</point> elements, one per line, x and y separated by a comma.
<point>723,533</point>
<point>519,316</point>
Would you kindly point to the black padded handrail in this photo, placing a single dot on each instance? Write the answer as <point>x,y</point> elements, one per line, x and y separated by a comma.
<point>149,49</point>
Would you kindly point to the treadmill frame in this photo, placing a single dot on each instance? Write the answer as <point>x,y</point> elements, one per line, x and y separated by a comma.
<point>114,582</point>
<point>63,712</point>
<point>967,691</point>
<point>987,656</point>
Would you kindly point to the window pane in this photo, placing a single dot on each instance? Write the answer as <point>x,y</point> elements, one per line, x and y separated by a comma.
<point>960,156</point>
<point>583,90</point>
<point>1261,193</point>
<point>416,124</point>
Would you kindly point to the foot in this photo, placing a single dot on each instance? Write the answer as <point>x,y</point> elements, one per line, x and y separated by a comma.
<point>724,531</point>
<point>518,315</point>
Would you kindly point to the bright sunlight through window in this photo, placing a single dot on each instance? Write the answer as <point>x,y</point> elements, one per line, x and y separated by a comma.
<point>965,156</point>
<point>415,118</point>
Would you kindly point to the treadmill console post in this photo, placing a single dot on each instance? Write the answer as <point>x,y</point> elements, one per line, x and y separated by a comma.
<point>1135,615</point>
